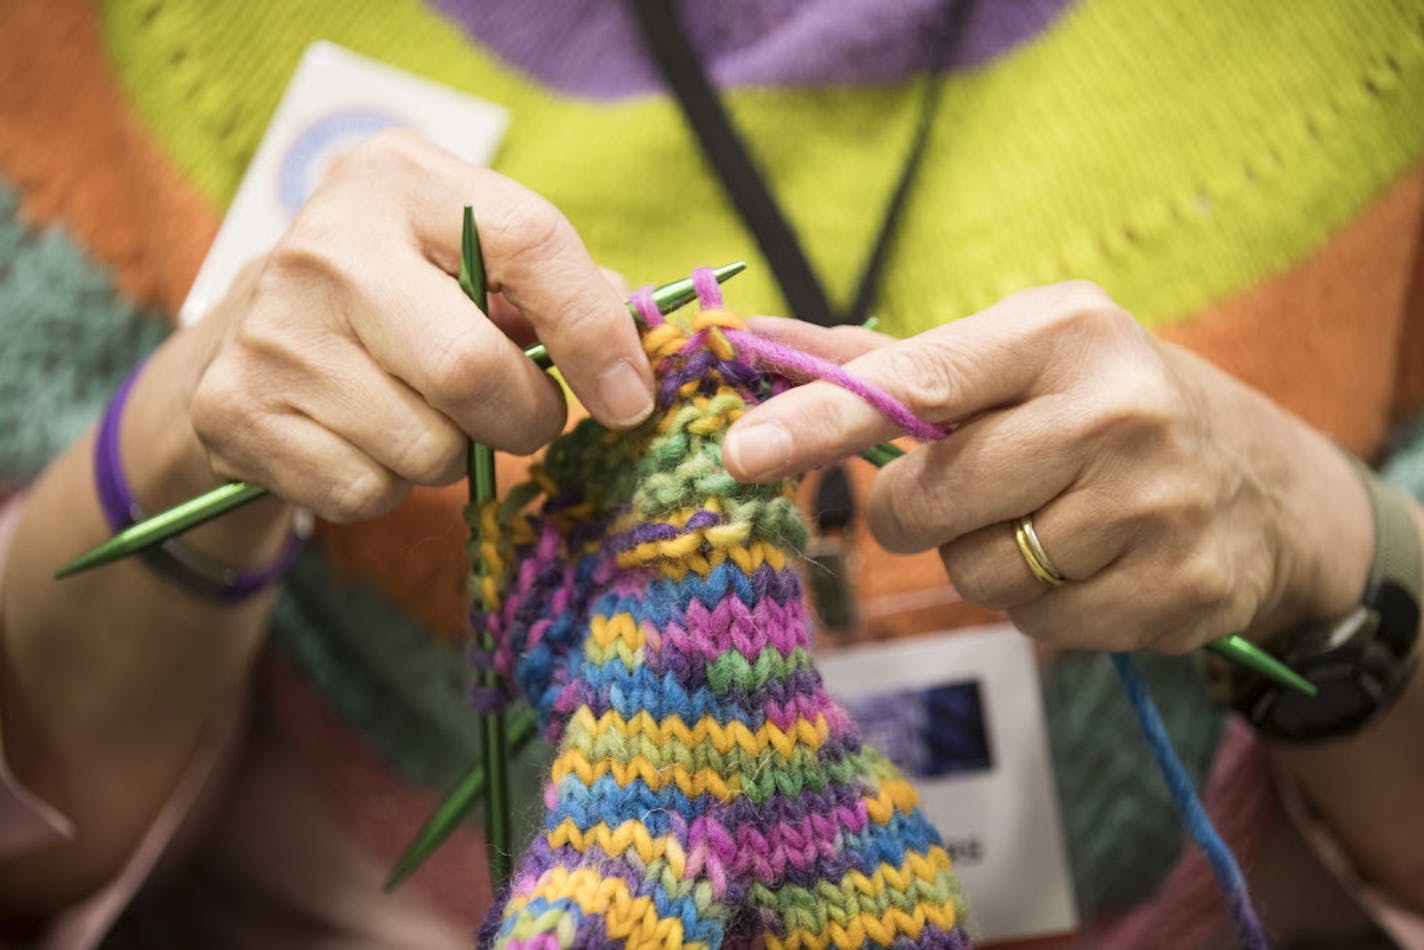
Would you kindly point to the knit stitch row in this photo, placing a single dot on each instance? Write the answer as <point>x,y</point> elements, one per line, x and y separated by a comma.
<point>706,791</point>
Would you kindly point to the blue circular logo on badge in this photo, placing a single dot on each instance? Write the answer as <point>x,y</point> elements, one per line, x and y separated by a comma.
<point>307,159</point>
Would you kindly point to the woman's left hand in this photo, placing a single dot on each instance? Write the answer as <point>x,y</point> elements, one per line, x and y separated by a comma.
<point>1180,504</point>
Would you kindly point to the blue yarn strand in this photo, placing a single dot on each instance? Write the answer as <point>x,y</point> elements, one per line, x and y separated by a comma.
<point>1223,863</point>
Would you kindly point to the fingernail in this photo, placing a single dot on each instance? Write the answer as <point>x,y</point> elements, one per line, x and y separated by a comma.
<point>758,450</point>
<point>626,398</point>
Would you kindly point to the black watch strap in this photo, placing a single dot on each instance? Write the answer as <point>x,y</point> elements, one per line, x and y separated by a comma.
<point>1361,662</point>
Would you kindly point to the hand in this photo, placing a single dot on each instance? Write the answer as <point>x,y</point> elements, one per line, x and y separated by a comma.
<point>350,364</point>
<point>1180,504</point>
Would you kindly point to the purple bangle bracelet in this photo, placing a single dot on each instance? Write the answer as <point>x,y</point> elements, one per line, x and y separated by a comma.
<point>195,573</point>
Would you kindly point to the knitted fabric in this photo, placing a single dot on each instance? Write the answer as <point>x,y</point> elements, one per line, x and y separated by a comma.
<point>133,149</point>
<point>1173,152</point>
<point>706,790</point>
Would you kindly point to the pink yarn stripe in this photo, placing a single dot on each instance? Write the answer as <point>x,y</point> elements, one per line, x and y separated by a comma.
<point>784,358</point>
<point>647,307</point>
<point>709,292</point>
<point>792,361</point>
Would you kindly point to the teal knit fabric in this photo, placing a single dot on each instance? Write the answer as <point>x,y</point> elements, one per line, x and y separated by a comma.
<point>68,339</point>
<point>1404,462</point>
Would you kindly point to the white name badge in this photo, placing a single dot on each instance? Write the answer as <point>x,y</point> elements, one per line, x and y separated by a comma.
<point>335,100</point>
<point>962,715</point>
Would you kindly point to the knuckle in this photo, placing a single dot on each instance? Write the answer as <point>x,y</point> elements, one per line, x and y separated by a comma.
<point>263,337</point>
<point>1202,582</point>
<point>361,497</point>
<point>1137,405</point>
<point>1084,295</point>
<point>425,454</point>
<point>306,258</point>
<point>1170,506</point>
<point>463,374</point>
<point>219,405</point>
<point>921,376</point>
<point>971,576</point>
<point>390,151</point>
<point>527,233</point>
<point>1084,310</point>
<point>910,517</point>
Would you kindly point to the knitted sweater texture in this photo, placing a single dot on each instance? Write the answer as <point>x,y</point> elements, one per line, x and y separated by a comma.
<point>1239,175</point>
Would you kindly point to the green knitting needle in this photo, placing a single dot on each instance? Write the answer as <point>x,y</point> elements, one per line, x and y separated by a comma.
<point>225,498</point>
<point>456,806</point>
<point>480,470</point>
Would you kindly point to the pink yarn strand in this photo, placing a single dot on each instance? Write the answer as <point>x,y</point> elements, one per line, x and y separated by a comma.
<point>804,364</point>
<point>709,292</point>
<point>647,307</point>
<point>791,361</point>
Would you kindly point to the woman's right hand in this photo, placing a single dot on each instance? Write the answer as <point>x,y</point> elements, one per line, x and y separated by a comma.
<point>343,367</point>
<point>348,364</point>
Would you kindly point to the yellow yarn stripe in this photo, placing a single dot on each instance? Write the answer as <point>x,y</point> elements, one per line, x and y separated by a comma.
<point>895,794</point>
<point>747,558</point>
<point>691,782</point>
<point>650,848</point>
<point>734,735</point>
<point>614,841</point>
<point>880,929</point>
<point>628,918</point>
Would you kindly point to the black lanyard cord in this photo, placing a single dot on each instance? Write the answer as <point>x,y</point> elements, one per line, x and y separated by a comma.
<point>805,294</point>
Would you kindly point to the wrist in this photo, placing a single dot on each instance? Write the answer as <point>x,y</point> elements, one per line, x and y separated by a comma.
<point>164,464</point>
<point>1326,528</point>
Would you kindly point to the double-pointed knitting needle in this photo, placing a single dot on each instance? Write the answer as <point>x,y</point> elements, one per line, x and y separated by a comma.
<point>480,469</point>
<point>225,498</point>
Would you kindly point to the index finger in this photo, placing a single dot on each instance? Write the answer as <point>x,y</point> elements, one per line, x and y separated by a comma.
<point>536,260</point>
<point>943,376</point>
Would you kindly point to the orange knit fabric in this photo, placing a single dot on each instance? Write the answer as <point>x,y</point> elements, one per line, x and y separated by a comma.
<point>72,145</point>
<point>1340,313</point>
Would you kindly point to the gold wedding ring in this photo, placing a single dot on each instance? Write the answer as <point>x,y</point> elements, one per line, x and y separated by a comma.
<point>1033,554</point>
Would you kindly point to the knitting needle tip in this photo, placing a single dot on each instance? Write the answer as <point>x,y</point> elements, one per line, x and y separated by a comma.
<point>1246,654</point>
<point>162,526</point>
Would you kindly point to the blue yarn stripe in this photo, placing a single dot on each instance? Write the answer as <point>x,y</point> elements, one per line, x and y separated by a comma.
<point>1223,863</point>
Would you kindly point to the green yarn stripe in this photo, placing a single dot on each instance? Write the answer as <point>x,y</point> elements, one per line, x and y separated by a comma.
<point>1177,153</point>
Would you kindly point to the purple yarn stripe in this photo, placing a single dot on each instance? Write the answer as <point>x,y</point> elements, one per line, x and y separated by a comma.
<point>591,48</point>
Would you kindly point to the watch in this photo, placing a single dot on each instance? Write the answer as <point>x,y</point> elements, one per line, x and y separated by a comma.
<point>1359,663</point>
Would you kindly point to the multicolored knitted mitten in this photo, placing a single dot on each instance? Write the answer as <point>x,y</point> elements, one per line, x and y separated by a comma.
<point>707,791</point>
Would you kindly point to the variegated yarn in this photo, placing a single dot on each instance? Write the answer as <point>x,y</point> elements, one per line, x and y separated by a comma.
<point>707,792</point>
